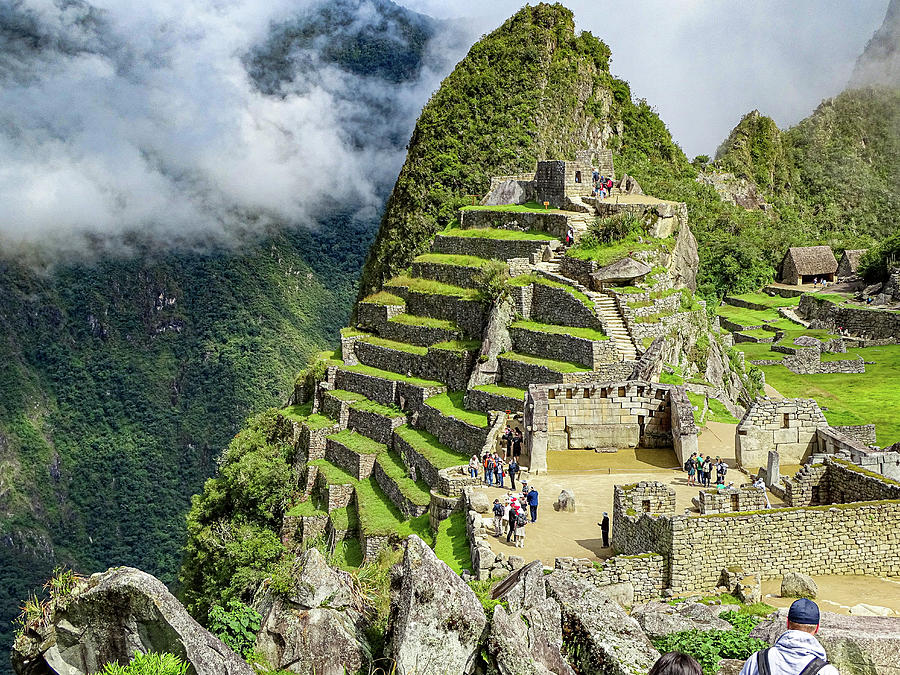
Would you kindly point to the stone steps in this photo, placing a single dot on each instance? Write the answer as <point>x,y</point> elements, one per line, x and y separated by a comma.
<point>608,311</point>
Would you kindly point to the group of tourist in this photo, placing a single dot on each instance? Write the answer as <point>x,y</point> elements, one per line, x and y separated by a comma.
<point>700,468</point>
<point>817,281</point>
<point>511,511</point>
<point>495,469</point>
<point>602,185</point>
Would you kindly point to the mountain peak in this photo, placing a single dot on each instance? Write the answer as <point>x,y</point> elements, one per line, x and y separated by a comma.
<point>879,64</point>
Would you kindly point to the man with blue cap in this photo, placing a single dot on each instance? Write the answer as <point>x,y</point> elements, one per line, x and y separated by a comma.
<point>796,652</point>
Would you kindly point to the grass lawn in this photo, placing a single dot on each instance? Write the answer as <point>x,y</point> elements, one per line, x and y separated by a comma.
<point>427,445</point>
<point>768,300</point>
<point>872,397</point>
<point>458,345</point>
<point>451,544</point>
<point>345,519</point>
<point>451,405</point>
<point>586,333</point>
<point>670,378</point>
<point>423,321</point>
<point>348,554</point>
<point>334,475</point>
<point>604,254</point>
<point>377,408</point>
<point>352,332</point>
<point>384,298</point>
<point>527,207</point>
<point>431,287</point>
<point>300,413</point>
<point>758,351</point>
<point>500,390</point>
<point>552,364</point>
<point>378,515</point>
<point>307,508</point>
<point>388,375</point>
<point>719,413</point>
<point>343,395</point>
<point>451,259</point>
<point>362,445</point>
<point>748,317</point>
<point>418,492</point>
<point>498,233</point>
<point>759,333</point>
<point>398,346</point>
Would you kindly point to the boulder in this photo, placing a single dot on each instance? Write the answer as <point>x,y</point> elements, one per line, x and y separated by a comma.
<point>626,269</point>
<point>730,666</point>
<point>112,616</point>
<point>863,609</point>
<point>622,593</point>
<point>749,588</point>
<point>436,622</point>
<point>509,192</point>
<point>479,501</point>
<point>807,341</point>
<point>867,645</point>
<point>796,585</point>
<point>565,501</point>
<point>685,259</point>
<point>317,627</point>
<point>508,636</point>
<point>604,638</point>
<point>658,619</point>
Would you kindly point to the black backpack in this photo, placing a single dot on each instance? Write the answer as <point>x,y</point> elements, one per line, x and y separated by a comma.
<point>498,509</point>
<point>520,519</point>
<point>762,664</point>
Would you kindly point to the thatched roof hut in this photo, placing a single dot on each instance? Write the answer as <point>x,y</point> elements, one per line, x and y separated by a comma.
<point>850,262</point>
<point>802,264</point>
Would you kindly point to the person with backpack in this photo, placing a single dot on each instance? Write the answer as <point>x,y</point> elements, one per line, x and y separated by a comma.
<point>511,520</point>
<point>797,651</point>
<point>498,518</point>
<point>533,504</point>
<point>602,187</point>
<point>499,471</point>
<point>690,465</point>
<point>707,469</point>
<point>513,470</point>
<point>521,521</point>
<point>488,469</point>
<point>608,186</point>
<point>473,467</point>
<point>517,443</point>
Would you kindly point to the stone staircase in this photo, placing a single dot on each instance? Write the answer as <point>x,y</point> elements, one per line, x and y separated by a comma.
<point>608,312</point>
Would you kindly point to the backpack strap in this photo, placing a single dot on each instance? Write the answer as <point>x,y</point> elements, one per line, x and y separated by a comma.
<point>762,662</point>
<point>814,666</point>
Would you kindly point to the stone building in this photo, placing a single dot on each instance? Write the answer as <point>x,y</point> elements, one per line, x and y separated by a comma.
<point>802,264</point>
<point>850,263</point>
<point>788,426</point>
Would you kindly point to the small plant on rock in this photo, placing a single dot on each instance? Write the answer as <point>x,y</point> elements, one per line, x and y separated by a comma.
<point>236,626</point>
<point>492,282</point>
<point>148,664</point>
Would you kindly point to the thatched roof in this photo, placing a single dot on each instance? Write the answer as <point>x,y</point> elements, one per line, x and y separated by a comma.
<point>813,259</point>
<point>851,258</point>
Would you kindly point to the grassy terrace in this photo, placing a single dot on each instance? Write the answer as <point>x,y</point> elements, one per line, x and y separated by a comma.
<point>528,207</point>
<point>352,332</point>
<point>552,364</point>
<point>300,413</point>
<point>604,254</point>
<point>345,519</point>
<point>334,474</point>
<point>379,516</point>
<point>355,442</point>
<point>374,407</point>
<point>384,298</point>
<point>450,404</point>
<point>458,345</point>
<point>343,395</point>
<point>423,321</point>
<point>765,300</point>
<point>430,287</point>
<point>427,445</point>
<point>528,279</point>
<point>450,259</point>
<point>498,233</point>
<point>451,544</point>
<point>748,317</point>
<point>500,390</point>
<point>398,346</point>
<point>586,333</point>
<point>348,554</point>
<point>417,492</point>
<point>307,508</point>
<point>388,375</point>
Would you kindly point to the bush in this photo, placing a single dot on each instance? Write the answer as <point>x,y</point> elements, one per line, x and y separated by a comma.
<point>148,664</point>
<point>236,626</point>
<point>492,282</point>
<point>613,228</point>
<point>875,264</point>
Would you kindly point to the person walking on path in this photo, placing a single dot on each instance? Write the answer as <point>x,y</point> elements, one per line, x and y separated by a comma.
<point>499,470</point>
<point>517,443</point>
<point>511,520</point>
<point>797,651</point>
<point>691,467</point>
<point>513,470</point>
<point>489,469</point>
<point>533,504</point>
<point>604,529</point>
<point>473,467</point>
<point>498,518</point>
<point>507,439</point>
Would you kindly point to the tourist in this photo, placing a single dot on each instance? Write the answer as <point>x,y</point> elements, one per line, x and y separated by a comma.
<point>796,651</point>
<point>525,490</point>
<point>507,437</point>
<point>498,518</point>
<point>488,469</point>
<point>517,443</point>
<point>533,504</point>
<point>473,467</point>
<point>676,663</point>
<point>513,470</point>
<point>761,485</point>
<point>570,235</point>
<point>511,519</point>
<point>608,186</point>
<point>691,467</point>
<point>602,186</point>
<point>721,470</point>
<point>707,470</point>
<point>596,176</point>
<point>499,470</point>
<point>604,529</point>
<point>521,520</point>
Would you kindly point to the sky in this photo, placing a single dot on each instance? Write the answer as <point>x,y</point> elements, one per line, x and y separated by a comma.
<point>124,121</point>
<point>703,64</point>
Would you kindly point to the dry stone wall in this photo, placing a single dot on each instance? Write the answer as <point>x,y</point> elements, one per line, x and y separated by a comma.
<point>862,433</point>
<point>390,488</point>
<point>377,427</point>
<point>519,374</point>
<point>455,275</point>
<point>454,433</point>
<point>498,249</point>
<point>370,315</point>
<point>591,353</point>
<point>732,499</point>
<point>871,324</point>
<point>357,465</point>
<point>468,315</point>
<point>554,224</point>
<point>643,571</point>
<point>788,426</point>
<point>556,305</point>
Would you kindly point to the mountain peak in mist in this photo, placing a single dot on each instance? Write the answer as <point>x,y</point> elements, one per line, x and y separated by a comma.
<point>879,64</point>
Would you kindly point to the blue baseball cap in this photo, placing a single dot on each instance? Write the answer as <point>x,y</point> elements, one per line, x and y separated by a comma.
<point>804,611</point>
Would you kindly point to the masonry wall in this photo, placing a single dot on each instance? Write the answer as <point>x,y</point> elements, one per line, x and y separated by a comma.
<point>643,571</point>
<point>534,250</point>
<point>554,224</point>
<point>733,499</point>
<point>788,426</point>
<point>591,353</point>
<point>871,324</point>
<point>556,305</point>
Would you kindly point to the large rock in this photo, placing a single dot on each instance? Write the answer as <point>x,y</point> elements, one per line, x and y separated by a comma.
<point>685,259</point>
<point>436,622</point>
<point>509,192</point>
<point>112,616</point>
<point>626,269</point>
<point>565,501</point>
<point>607,641</point>
<point>478,500</point>
<point>659,618</point>
<point>856,645</point>
<point>796,585</point>
<point>317,627</point>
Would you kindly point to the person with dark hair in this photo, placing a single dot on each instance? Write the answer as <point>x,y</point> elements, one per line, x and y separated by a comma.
<point>604,529</point>
<point>676,663</point>
<point>517,443</point>
<point>796,652</point>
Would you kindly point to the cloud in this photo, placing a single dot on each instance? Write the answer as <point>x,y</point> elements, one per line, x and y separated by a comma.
<point>123,122</point>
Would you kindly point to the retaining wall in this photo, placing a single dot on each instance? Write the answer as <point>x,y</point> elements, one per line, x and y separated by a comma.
<point>498,249</point>
<point>550,304</point>
<point>871,324</point>
<point>643,571</point>
<point>555,224</point>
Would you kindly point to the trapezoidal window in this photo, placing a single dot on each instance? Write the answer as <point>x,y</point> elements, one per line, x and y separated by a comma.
<point>645,505</point>
<point>577,176</point>
<point>786,421</point>
<point>568,393</point>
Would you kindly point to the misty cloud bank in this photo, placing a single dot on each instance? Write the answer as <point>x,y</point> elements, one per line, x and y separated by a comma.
<point>130,122</point>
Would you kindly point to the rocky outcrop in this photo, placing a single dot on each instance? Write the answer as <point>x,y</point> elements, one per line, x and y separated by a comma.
<point>685,259</point>
<point>796,585</point>
<point>111,617</point>
<point>601,636</point>
<point>626,269</point>
<point>316,628</point>
<point>436,622</point>
<point>856,645</point>
<point>660,618</point>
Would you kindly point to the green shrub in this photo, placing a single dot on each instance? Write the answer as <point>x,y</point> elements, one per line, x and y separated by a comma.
<point>148,664</point>
<point>482,591</point>
<point>236,626</point>
<point>492,281</point>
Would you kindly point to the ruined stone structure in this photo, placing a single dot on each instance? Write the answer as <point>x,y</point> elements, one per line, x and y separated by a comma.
<point>850,263</point>
<point>864,322</point>
<point>788,426</point>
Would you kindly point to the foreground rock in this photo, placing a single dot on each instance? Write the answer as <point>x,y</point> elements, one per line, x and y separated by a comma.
<point>626,269</point>
<point>606,639</point>
<point>436,622</point>
<point>796,585</point>
<point>565,501</point>
<point>317,627</point>
<point>863,645</point>
<point>658,619</point>
<point>111,617</point>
